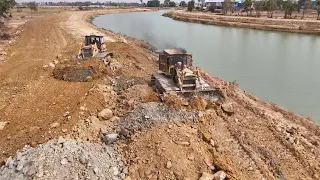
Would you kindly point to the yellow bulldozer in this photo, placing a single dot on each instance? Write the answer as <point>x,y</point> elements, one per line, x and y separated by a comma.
<point>94,47</point>
<point>177,75</point>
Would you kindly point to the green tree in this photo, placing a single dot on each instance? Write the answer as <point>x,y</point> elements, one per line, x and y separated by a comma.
<point>183,4</point>
<point>172,4</point>
<point>305,4</point>
<point>258,6</point>
<point>247,6</point>
<point>289,6</point>
<point>226,6</point>
<point>33,6</point>
<point>166,2</point>
<point>5,6</point>
<point>318,9</point>
<point>190,5</point>
<point>212,7</point>
<point>269,6</point>
<point>153,3</point>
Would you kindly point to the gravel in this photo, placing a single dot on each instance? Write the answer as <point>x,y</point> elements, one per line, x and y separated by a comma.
<point>65,159</point>
<point>147,115</point>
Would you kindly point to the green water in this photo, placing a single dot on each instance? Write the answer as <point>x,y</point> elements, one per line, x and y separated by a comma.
<point>281,68</point>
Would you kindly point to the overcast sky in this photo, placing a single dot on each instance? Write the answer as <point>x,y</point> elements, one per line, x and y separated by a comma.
<point>86,0</point>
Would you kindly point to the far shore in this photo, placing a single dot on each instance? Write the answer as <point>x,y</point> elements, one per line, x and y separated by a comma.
<point>306,26</point>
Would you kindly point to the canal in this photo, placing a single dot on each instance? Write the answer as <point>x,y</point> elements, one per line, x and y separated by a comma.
<point>281,68</point>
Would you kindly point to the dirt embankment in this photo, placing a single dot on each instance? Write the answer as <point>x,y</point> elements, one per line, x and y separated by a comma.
<point>285,25</point>
<point>157,140</point>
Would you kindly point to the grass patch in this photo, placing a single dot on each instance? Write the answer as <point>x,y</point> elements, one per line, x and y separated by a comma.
<point>234,83</point>
<point>40,10</point>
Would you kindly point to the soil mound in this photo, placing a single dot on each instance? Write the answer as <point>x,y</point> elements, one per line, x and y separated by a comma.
<point>168,152</point>
<point>147,115</point>
<point>123,83</point>
<point>80,71</point>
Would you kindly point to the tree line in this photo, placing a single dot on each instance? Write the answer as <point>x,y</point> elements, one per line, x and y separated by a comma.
<point>269,6</point>
<point>156,3</point>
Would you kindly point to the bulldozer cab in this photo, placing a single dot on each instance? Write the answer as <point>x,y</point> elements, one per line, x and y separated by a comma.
<point>170,57</point>
<point>92,39</point>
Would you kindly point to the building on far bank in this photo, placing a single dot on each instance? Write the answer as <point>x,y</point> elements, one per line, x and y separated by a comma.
<point>218,3</point>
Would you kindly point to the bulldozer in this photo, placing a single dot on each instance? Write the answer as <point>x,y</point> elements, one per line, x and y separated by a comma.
<point>178,75</point>
<point>93,47</point>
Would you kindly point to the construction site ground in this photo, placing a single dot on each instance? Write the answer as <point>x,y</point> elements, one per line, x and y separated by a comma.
<point>257,141</point>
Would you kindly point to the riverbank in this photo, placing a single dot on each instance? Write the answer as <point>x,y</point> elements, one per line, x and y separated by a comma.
<point>258,141</point>
<point>262,23</point>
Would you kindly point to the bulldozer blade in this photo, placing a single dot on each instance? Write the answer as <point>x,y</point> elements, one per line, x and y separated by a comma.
<point>209,95</point>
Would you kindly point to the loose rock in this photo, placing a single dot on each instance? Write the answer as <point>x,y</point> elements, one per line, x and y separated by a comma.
<point>105,114</point>
<point>169,165</point>
<point>64,161</point>
<point>109,138</point>
<point>206,176</point>
<point>61,140</point>
<point>227,108</point>
<point>2,124</point>
<point>52,65</point>
<point>54,125</point>
<point>96,170</point>
<point>220,175</point>
<point>53,161</point>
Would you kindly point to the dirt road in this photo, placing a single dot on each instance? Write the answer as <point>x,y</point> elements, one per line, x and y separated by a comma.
<point>258,141</point>
<point>31,100</point>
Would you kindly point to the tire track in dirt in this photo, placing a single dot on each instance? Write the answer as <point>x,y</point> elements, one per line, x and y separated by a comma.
<point>282,146</point>
<point>289,146</point>
<point>228,149</point>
